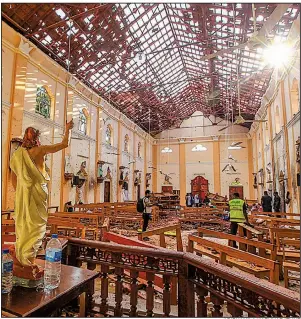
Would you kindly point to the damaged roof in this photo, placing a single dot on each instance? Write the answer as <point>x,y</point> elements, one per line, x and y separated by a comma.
<point>159,63</point>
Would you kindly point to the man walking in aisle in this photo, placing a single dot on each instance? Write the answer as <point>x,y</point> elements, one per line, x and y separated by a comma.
<point>238,214</point>
<point>147,211</point>
<point>266,202</point>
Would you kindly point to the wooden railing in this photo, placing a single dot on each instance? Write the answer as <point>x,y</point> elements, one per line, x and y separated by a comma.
<point>200,282</point>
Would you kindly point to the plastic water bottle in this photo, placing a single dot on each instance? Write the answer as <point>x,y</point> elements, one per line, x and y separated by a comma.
<point>52,272</point>
<point>7,272</point>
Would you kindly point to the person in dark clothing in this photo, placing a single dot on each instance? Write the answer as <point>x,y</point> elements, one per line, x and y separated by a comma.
<point>266,202</point>
<point>147,211</point>
<point>206,201</point>
<point>238,214</point>
<point>277,203</point>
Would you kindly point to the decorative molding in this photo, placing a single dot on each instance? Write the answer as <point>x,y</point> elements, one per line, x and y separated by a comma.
<point>294,120</point>
<point>109,147</point>
<point>42,120</point>
<point>82,136</point>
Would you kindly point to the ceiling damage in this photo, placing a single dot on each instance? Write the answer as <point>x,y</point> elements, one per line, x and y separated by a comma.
<point>159,63</point>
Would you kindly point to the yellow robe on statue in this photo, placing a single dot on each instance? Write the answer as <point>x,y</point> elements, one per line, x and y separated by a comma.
<point>30,206</point>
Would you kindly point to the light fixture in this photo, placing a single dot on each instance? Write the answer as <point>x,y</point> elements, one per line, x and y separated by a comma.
<point>140,57</point>
<point>166,150</point>
<point>234,147</point>
<point>199,148</point>
<point>278,54</point>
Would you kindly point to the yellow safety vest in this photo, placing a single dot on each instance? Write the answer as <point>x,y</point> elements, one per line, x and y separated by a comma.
<point>236,210</point>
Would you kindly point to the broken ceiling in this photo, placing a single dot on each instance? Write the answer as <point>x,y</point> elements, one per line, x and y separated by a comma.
<point>148,60</point>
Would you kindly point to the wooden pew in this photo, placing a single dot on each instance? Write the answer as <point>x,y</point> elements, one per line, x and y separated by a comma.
<point>274,221</point>
<point>258,215</point>
<point>250,245</point>
<point>66,228</point>
<point>161,232</point>
<point>91,221</point>
<point>286,243</point>
<point>235,258</point>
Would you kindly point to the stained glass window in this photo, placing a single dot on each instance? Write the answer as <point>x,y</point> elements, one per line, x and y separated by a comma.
<point>43,102</point>
<point>82,121</point>
<point>109,135</point>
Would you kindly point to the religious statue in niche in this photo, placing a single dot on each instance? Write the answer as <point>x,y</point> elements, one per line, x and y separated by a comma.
<point>31,203</point>
<point>126,143</point>
<point>108,175</point>
<point>121,176</point>
<point>137,181</point>
<point>109,134</point>
<point>100,176</point>
<point>167,179</point>
<point>269,173</point>
<point>82,174</point>
<point>125,189</point>
<point>139,149</point>
<point>126,178</point>
<point>99,170</point>
<point>68,169</point>
<point>148,177</point>
<point>255,180</point>
<point>261,176</point>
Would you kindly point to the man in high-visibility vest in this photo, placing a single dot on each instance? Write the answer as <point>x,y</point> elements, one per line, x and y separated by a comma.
<point>238,214</point>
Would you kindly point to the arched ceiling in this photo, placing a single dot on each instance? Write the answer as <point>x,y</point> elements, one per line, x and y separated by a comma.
<point>148,59</point>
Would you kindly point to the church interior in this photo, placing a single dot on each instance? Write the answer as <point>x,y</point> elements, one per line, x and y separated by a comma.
<point>159,144</point>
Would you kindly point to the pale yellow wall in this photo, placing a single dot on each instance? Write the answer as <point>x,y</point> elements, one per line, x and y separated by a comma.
<point>36,69</point>
<point>279,94</point>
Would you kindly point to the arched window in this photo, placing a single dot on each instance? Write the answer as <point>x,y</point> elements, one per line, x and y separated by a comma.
<point>82,121</point>
<point>139,149</point>
<point>109,133</point>
<point>43,100</point>
<point>295,97</point>
<point>277,120</point>
<point>126,143</point>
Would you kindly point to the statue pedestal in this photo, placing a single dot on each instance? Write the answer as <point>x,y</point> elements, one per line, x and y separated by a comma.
<point>26,276</point>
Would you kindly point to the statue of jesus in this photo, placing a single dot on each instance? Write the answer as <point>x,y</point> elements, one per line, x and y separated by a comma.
<point>29,178</point>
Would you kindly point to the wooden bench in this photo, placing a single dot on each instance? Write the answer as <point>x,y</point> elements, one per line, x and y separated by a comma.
<point>90,220</point>
<point>235,258</point>
<point>66,228</point>
<point>274,221</point>
<point>256,214</point>
<point>161,232</point>
<point>205,222</point>
<point>288,264</point>
<point>250,245</point>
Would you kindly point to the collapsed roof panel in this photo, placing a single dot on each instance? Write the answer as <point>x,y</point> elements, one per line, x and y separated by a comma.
<point>149,60</point>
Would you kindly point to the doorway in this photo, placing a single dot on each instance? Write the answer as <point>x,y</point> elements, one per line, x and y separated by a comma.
<point>138,192</point>
<point>107,191</point>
